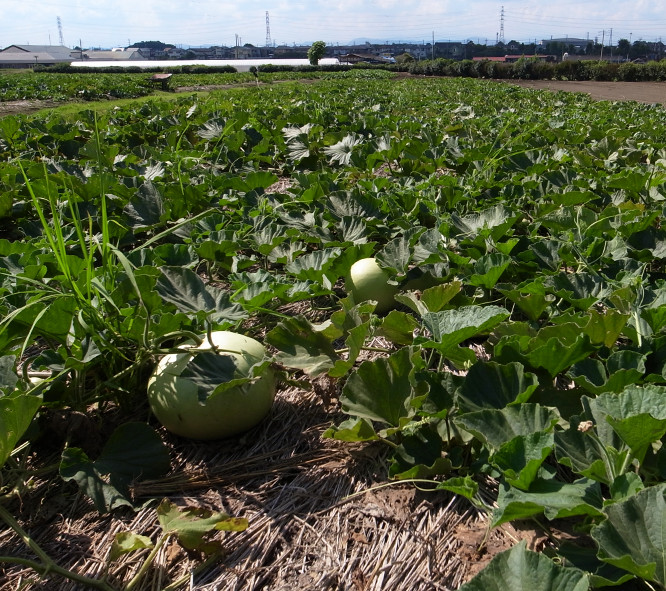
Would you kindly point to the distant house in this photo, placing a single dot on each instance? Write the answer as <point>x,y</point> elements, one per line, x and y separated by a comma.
<point>28,56</point>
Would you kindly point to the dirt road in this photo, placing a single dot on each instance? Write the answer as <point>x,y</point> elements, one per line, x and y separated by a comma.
<point>644,92</point>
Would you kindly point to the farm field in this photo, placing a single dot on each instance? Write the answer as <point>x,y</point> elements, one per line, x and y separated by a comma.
<point>489,414</point>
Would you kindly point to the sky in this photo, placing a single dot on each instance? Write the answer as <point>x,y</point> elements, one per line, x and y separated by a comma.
<point>118,23</point>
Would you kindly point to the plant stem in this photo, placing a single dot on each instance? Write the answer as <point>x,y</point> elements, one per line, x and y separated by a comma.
<point>47,565</point>
<point>44,569</point>
<point>136,579</point>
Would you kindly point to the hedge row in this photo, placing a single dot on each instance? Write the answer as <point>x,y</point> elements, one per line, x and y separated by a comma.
<point>534,69</point>
<point>526,69</point>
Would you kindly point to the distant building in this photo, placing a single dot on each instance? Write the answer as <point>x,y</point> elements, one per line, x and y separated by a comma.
<point>115,55</point>
<point>28,56</point>
<point>578,44</point>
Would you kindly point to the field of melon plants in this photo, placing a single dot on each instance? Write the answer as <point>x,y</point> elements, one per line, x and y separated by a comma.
<point>510,349</point>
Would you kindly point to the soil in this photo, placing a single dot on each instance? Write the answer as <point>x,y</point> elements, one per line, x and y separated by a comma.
<point>643,92</point>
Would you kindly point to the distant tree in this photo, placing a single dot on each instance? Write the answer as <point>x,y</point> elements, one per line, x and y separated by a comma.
<point>190,55</point>
<point>316,52</point>
<point>404,58</point>
<point>624,47</point>
<point>152,45</point>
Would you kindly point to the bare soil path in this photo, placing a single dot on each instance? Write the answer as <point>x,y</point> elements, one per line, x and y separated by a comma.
<point>644,92</point>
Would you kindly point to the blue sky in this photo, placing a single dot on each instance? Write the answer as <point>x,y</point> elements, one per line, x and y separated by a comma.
<point>115,23</point>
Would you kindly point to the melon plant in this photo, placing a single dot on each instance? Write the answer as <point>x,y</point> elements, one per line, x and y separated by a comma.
<point>218,389</point>
<point>368,281</point>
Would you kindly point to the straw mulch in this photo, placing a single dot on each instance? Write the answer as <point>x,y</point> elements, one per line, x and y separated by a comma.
<point>318,518</point>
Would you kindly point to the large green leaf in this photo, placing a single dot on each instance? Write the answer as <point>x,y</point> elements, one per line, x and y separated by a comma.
<point>302,345</point>
<point>419,455</point>
<point>633,537</point>
<point>622,369</point>
<point>550,497</point>
<point>556,356</point>
<point>382,390</point>
<point>488,269</point>
<point>16,413</point>
<point>494,385</point>
<point>518,569</point>
<point>186,290</point>
<point>452,327</point>
<point>133,452</point>
<point>495,427</point>
<point>631,402</point>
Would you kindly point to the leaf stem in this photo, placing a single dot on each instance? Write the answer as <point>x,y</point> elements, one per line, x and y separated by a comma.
<point>136,579</point>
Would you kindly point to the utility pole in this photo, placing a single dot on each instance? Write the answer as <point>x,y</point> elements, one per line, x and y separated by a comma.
<point>603,34</point>
<point>62,42</point>
<point>501,31</point>
<point>268,31</point>
<point>433,45</point>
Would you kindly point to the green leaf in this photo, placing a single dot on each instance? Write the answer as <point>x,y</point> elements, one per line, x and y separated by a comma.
<point>581,289</point>
<point>301,345</point>
<point>626,485</point>
<point>192,524</point>
<point>530,303</point>
<point>314,265</point>
<point>553,498</point>
<point>518,569</point>
<point>451,327</point>
<point>352,430</point>
<point>381,390</point>
<point>631,402</point>
<point>488,269</point>
<point>398,327</point>
<point>133,452</point>
<point>183,288</point>
<point>495,427</point>
<point>519,460</point>
<point>8,376</point>
<point>16,413</point>
<point>554,356</point>
<point>459,485</point>
<point>623,368</point>
<point>419,455</point>
<point>633,537</point>
<point>601,573</point>
<point>638,432</point>
<point>494,385</point>
<point>125,542</point>
<point>605,328</point>
<point>582,453</point>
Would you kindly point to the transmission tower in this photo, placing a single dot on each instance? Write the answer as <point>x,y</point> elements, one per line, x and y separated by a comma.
<point>268,31</point>
<point>62,41</point>
<point>501,33</point>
